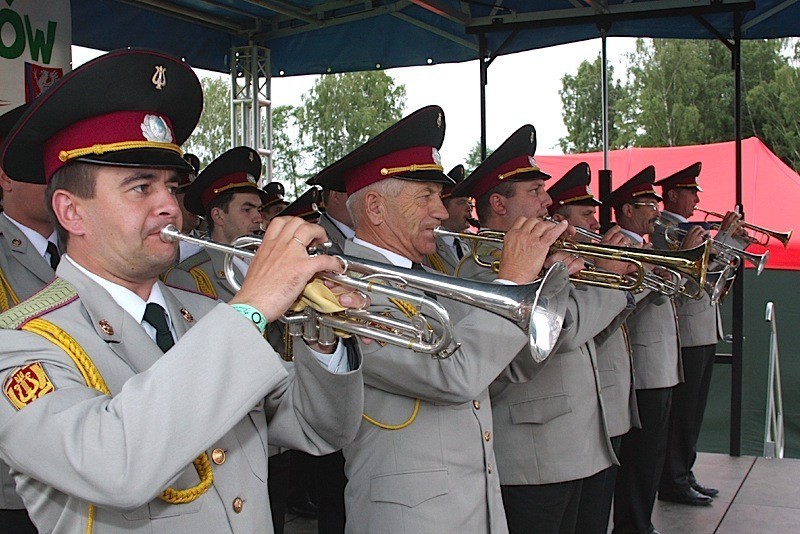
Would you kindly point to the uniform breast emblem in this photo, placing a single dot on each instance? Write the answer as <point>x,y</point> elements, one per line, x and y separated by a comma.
<point>27,384</point>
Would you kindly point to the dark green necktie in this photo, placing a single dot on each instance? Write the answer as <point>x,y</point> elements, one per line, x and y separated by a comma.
<point>157,318</point>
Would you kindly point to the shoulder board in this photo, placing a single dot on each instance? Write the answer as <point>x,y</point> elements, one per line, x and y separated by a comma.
<point>56,294</point>
<point>193,261</point>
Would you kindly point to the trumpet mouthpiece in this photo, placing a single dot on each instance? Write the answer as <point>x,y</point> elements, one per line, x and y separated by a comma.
<point>169,233</point>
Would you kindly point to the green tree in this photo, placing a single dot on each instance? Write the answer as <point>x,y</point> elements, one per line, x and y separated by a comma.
<point>582,98</point>
<point>343,111</point>
<point>681,92</point>
<point>474,158</point>
<point>288,157</point>
<point>777,105</point>
<point>212,136</point>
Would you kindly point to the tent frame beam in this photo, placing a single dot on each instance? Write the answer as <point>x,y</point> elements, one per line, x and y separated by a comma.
<point>618,12</point>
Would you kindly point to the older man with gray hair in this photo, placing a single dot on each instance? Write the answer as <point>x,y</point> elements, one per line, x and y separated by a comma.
<point>423,458</point>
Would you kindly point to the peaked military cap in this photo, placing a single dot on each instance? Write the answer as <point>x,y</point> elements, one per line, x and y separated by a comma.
<point>573,189</point>
<point>511,162</point>
<point>130,108</point>
<point>306,206</point>
<point>685,178</point>
<point>9,118</point>
<point>408,150</point>
<point>187,179</point>
<point>239,168</point>
<point>7,121</point>
<point>273,193</point>
<point>641,184</point>
<point>457,175</point>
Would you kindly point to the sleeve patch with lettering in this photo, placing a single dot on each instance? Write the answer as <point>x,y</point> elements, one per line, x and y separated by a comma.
<point>27,384</point>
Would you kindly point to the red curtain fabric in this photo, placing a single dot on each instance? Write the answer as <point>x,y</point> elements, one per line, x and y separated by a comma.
<point>770,188</point>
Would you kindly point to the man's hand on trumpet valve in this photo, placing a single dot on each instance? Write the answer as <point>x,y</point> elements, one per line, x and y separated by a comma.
<point>695,236</point>
<point>282,267</point>
<point>733,225</point>
<point>525,248</point>
<point>615,237</point>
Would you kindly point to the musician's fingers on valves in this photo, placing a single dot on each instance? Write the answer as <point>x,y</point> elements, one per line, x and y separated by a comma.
<point>525,247</point>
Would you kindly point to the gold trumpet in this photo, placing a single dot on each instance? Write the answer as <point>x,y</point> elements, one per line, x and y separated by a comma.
<point>537,308</point>
<point>692,263</point>
<point>783,237</point>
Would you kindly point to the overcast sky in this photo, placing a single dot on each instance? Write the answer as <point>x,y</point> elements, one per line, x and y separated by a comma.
<point>523,88</point>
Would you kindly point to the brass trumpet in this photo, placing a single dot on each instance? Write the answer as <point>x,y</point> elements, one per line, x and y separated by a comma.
<point>537,308</point>
<point>783,237</point>
<point>651,281</point>
<point>692,263</point>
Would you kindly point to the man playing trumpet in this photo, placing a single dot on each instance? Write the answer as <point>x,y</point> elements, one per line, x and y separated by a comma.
<point>574,202</point>
<point>550,427</point>
<point>700,327</point>
<point>226,194</point>
<point>130,406</point>
<point>657,367</point>
<point>423,458</point>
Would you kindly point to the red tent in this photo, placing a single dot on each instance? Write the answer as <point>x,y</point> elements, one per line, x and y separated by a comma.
<point>770,189</point>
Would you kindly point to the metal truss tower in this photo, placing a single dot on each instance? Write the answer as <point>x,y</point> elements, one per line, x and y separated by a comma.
<point>251,104</point>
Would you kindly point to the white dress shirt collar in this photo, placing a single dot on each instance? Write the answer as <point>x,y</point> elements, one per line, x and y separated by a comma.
<point>395,259</point>
<point>37,240</point>
<point>127,299</point>
<point>679,218</point>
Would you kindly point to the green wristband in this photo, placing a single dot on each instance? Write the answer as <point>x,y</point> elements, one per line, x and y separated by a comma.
<point>252,314</point>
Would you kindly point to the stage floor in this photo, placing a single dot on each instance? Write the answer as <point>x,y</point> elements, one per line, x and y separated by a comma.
<point>755,495</point>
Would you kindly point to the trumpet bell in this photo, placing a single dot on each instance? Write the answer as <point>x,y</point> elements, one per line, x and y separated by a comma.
<point>549,307</point>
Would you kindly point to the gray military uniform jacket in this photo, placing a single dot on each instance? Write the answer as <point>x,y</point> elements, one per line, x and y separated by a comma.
<point>444,259</point>
<point>221,389</point>
<point>26,272</point>
<point>653,334</point>
<point>438,473</point>
<point>551,425</point>
<point>699,321</point>
<point>210,263</point>
<point>615,365</point>
<point>334,234</point>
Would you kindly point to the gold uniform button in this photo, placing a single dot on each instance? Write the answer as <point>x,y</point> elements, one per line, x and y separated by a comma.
<point>487,435</point>
<point>237,504</point>
<point>476,405</point>
<point>218,456</point>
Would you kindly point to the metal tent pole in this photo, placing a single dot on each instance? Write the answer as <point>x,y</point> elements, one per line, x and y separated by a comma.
<point>738,285</point>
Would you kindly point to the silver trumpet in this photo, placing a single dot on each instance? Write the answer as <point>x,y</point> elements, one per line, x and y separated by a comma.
<point>537,308</point>
<point>729,253</point>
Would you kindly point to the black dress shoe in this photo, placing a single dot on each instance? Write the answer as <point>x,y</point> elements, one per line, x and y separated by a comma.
<point>708,492</point>
<point>688,496</point>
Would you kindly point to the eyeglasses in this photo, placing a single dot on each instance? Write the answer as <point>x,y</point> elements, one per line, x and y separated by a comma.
<point>652,205</point>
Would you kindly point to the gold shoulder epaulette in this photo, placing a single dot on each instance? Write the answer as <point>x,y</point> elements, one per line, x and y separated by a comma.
<point>193,261</point>
<point>57,293</point>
